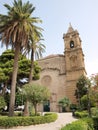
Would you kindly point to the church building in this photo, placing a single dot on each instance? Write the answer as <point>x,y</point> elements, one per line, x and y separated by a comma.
<point>60,72</point>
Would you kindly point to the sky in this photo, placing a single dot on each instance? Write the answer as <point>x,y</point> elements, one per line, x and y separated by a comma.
<point>56,16</point>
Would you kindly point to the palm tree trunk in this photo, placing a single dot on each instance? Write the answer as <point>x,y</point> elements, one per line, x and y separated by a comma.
<point>32,66</point>
<point>26,110</point>
<point>14,78</point>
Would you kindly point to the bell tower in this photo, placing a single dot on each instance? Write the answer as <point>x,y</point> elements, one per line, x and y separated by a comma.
<point>74,59</point>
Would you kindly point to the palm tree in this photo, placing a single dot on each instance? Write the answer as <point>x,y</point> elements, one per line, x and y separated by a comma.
<point>64,102</point>
<point>15,30</point>
<point>37,48</point>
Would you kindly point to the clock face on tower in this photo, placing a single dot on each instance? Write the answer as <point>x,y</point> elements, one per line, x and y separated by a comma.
<point>72,44</point>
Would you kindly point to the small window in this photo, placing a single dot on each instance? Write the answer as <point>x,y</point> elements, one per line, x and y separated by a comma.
<point>72,44</point>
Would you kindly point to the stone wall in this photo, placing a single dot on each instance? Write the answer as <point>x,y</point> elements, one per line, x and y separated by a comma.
<point>53,76</point>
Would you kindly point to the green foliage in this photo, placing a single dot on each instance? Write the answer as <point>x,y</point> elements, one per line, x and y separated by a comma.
<point>95,121</point>
<point>84,102</point>
<point>36,71</point>
<point>81,87</point>
<point>6,62</point>
<point>51,117</point>
<point>24,68</point>
<point>73,107</point>
<point>94,111</point>
<point>6,67</point>
<point>3,77</point>
<point>64,102</point>
<point>90,123</point>
<point>7,122</point>
<point>7,99</point>
<point>94,96</point>
<point>19,100</point>
<point>2,102</point>
<point>16,29</point>
<point>36,94</point>
<point>78,125</point>
<point>81,114</point>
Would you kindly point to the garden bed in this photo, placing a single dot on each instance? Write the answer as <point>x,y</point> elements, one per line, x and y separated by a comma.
<point>7,122</point>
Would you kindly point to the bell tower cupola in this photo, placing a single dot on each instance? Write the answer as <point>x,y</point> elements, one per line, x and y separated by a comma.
<point>73,50</point>
<point>71,39</point>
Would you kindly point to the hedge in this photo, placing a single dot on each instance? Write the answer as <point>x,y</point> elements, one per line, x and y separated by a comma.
<point>81,114</point>
<point>77,125</point>
<point>7,122</point>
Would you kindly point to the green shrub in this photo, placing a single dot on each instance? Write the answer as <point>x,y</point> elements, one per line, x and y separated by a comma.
<point>94,111</point>
<point>2,102</point>
<point>47,113</point>
<point>95,121</point>
<point>81,114</point>
<point>51,118</point>
<point>7,122</point>
<point>73,107</point>
<point>78,125</point>
<point>15,121</point>
<point>84,102</point>
<point>90,123</point>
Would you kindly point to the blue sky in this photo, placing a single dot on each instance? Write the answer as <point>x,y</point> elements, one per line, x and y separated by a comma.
<point>56,16</point>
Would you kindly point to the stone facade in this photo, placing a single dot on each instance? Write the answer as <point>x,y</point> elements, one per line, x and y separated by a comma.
<point>60,72</point>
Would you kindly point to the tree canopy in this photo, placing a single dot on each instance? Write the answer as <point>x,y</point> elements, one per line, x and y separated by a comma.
<point>36,94</point>
<point>81,87</point>
<point>6,67</point>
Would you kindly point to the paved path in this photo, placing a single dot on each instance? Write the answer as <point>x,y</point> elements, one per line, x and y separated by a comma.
<point>63,118</point>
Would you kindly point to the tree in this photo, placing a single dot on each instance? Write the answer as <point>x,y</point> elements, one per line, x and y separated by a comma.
<point>84,102</point>
<point>6,64</point>
<point>81,88</point>
<point>64,102</point>
<point>6,67</point>
<point>94,80</point>
<point>36,94</point>
<point>15,30</point>
<point>3,77</point>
